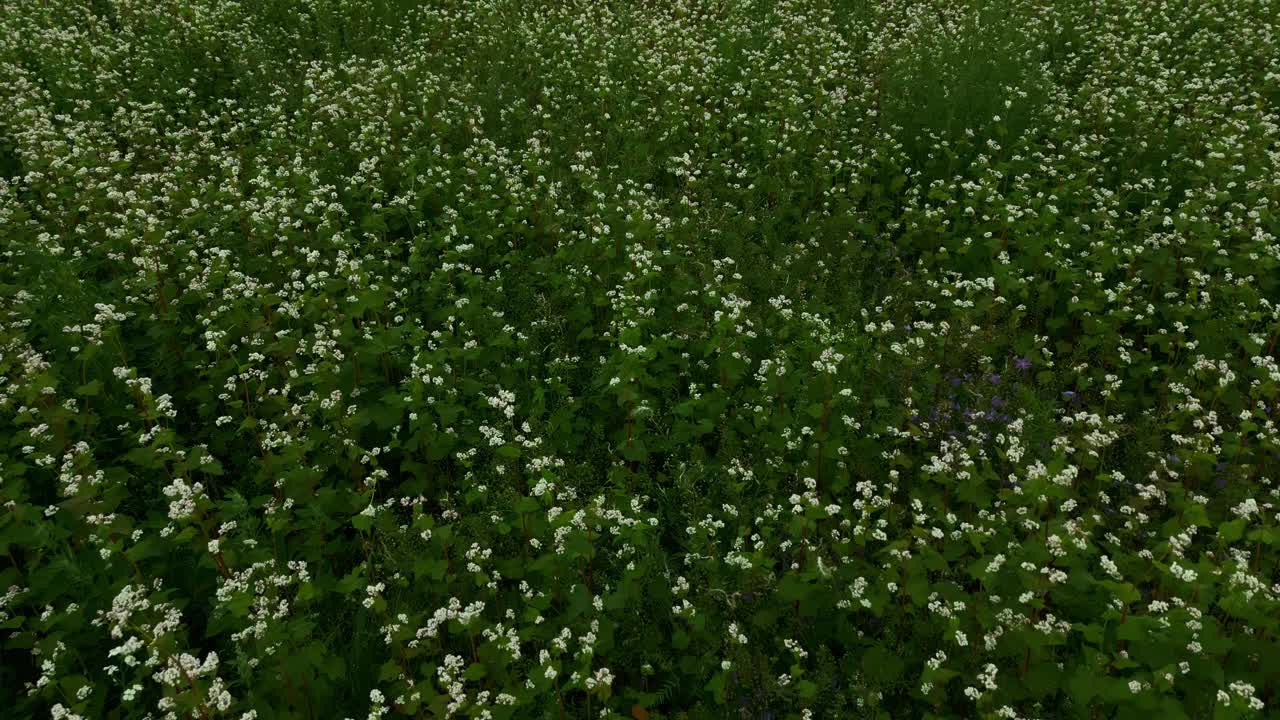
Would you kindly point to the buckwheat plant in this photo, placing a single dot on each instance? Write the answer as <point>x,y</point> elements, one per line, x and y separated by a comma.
<point>504,360</point>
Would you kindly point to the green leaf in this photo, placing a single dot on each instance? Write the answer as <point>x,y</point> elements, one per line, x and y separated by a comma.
<point>881,665</point>
<point>1232,531</point>
<point>716,686</point>
<point>680,640</point>
<point>1083,685</point>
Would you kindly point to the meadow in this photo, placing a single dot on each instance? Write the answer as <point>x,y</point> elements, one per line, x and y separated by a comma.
<point>375,359</point>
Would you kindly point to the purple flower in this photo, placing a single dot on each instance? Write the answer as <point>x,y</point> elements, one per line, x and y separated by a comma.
<point>1021,363</point>
<point>995,379</point>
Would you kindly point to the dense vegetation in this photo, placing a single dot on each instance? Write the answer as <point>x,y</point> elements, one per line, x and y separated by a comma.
<point>737,359</point>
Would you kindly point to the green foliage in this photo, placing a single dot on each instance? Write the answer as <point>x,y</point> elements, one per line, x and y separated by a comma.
<point>819,359</point>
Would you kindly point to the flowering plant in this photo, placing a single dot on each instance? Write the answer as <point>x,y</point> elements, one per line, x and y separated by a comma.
<point>815,359</point>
